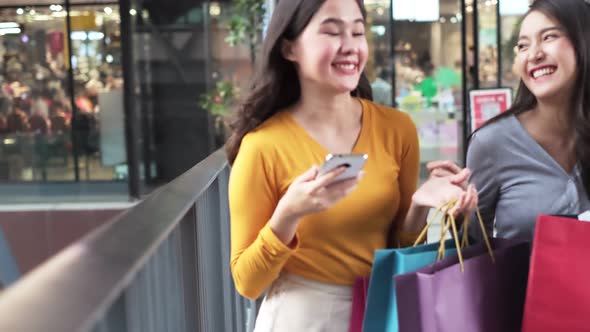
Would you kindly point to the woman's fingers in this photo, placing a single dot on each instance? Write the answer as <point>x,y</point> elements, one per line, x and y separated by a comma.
<point>457,175</point>
<point>325,179</point>
<point>461,178</point>
<point>309,175</point>
<point>475,196</point>
<point>467,201</point>
<point>341,189</point>
<point>440,173</point>
<point>447,165</point>
<point>341,186</point>
<point>470,200</point>
<point>460,205</point>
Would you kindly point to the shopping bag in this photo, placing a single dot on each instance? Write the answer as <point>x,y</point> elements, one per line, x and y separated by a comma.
<point>487,296</point>
<point>359,303</point>
<point>558,293</point>
<point>381,312</point>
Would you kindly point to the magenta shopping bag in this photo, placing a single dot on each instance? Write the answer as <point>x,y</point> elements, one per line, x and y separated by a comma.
<point>486,297</point>
<point>359,303</point>
<point>558,293</point>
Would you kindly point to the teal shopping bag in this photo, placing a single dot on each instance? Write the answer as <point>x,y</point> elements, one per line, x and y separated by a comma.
<point>381,310</point>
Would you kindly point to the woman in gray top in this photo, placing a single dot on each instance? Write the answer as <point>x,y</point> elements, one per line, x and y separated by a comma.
<point>535,158</point>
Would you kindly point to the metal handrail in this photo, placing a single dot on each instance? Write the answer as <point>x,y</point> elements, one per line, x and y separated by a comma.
<point>73,290</point>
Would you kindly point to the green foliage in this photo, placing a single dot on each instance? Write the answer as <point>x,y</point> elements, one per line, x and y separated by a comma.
<point>219,100</point>
<point>246,22</point>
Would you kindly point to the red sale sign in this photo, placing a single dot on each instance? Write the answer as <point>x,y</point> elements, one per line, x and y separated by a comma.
<point>486,104</point>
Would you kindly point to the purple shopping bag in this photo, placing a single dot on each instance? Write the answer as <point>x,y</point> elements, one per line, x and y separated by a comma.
<point>486,297</point>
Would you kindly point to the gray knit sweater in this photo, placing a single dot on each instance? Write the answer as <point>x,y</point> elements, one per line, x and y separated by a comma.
<point>518,180</point>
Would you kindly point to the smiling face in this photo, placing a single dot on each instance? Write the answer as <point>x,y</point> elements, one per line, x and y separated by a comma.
<point>546,58</point>
<point>331,52</point>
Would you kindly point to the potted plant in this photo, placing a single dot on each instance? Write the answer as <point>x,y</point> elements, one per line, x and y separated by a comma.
<point>245,24</point>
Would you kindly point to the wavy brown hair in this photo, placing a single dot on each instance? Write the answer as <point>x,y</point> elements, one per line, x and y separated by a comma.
<point>574,16</point>
<point>276,83</point>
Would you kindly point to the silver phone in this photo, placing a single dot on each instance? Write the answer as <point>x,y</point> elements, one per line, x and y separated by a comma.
<point>353,163</point>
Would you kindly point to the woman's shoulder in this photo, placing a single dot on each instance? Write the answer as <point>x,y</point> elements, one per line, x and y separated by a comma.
<point>266,134</point>
<point>497,133</point>
<point>496,139</point>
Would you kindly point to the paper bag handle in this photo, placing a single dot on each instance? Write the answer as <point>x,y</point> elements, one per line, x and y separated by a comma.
<point>450,223</point>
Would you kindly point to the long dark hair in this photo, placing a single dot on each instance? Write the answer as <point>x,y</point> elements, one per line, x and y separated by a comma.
<point>574,16</point>
<point>276,83</point>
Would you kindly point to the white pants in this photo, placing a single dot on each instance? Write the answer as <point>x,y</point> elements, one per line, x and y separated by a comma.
<point>300,304</point>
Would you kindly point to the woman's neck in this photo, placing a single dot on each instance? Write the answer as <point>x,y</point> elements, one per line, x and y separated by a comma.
<point>320,106</point>
<point>554,118</point>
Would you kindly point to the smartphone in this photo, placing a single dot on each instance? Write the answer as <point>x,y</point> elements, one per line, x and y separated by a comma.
<point>353,163</point>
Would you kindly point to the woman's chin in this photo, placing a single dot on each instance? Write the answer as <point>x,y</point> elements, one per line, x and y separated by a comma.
<point>342,89</point>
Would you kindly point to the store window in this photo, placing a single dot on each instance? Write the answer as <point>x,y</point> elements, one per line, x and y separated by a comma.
<point>98,128</point>
<point>45,134</point>
<point>488,43</point>
<point>511,12</point>
<point>35,111</point>
<point>427,40</point>
<point>380,65</point>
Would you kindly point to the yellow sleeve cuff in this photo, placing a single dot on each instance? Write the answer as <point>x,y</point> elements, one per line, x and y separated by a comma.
<point>274,245</point>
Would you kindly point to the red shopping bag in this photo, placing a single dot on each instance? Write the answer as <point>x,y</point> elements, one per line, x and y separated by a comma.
<point>359,303</point>
<point>558,292</point>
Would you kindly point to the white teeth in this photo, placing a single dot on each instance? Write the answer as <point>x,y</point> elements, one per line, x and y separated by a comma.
<point>346,66</point>
<point>543,72</point>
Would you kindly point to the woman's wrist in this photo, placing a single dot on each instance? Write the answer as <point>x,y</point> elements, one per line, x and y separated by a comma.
<point>284,225</point>
<point>285,215</point>
<point>416,217</point>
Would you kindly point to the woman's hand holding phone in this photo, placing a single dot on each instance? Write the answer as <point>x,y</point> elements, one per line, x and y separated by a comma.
<point>309,193</point>
<point>312,193</point>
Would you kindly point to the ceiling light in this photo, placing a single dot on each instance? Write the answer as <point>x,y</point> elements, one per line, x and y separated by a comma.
<point>10,31</point>
<point>6,25</point>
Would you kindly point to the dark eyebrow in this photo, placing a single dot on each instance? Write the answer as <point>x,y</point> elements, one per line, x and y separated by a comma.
<point>550,29</point>
<point>338,21</point>
<point>542,32</point>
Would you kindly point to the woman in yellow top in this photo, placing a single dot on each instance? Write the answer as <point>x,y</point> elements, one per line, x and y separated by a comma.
<point>290,231</point>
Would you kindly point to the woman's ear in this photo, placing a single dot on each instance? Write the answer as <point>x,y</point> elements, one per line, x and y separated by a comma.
<point>287,50</point>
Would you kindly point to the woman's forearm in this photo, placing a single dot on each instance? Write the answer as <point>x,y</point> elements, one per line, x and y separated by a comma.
<point>415,219</point>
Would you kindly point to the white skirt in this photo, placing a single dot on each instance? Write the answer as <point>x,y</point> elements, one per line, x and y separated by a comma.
<point>299,304</point>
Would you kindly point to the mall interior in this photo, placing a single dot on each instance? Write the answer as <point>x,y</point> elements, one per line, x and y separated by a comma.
<point>103,119</point>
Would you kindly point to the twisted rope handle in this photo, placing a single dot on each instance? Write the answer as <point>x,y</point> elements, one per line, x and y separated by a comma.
<point>449,222</point>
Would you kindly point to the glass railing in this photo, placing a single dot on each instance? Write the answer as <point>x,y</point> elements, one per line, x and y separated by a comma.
<point>162,265</point>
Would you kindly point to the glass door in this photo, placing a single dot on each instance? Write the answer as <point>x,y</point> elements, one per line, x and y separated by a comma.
<point>428,62</point>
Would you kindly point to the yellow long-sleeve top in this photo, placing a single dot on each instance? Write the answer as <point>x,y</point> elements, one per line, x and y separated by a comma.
<point>336,245</point>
